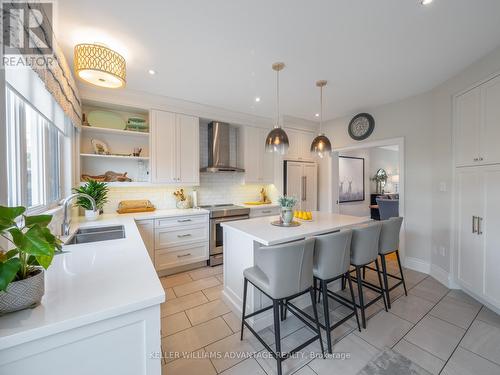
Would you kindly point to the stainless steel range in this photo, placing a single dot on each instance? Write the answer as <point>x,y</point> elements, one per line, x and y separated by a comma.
<point>220,213</point>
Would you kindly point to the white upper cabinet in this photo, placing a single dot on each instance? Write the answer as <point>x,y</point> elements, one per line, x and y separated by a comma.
<point>477,125</point>
<point>490,132</point>
<point>258,164</point>
<point>175,148</point>
<point>300,144</point>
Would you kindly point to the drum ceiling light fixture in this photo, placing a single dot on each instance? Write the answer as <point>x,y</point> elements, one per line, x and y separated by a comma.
<point>99,65</point>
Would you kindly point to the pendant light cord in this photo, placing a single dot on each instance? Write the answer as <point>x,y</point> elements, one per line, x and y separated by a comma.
<point>278,99</point>
<point>321,110</point>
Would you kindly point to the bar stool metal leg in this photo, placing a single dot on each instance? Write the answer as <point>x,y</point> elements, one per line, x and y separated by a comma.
<point>401,272</point>
<point>348,276</point>
<point>386,281</point>
<point>315,310</point>
<point>380,283</point>
<point>277,338</point>
<point>245,287</point>
<point>360,295</point>
<point>326,313</point>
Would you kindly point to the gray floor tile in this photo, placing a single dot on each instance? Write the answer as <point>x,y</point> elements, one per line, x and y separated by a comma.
<point>464,297</point>
<point>488,316</point>
<point>384,330</point>
<point>194,365</point>
<point>436,336</point>
<point>484,340</point>
<point>411,308</point>
<point>429,289</point>
<point>421,357</point>
<point>248,367</point>
<point>455,311</point>
<point>351,354</point>
<point>463,362</point>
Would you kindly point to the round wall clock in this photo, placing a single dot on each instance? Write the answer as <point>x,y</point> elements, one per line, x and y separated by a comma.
<point>361,126</point>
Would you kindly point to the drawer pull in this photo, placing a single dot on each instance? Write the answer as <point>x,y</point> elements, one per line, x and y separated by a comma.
<point>184,220</point>
<point>184,235</point>
<point>267,212</point>
<point>183,255</point>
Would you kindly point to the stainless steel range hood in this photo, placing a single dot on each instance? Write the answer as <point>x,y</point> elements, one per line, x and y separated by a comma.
<point>219,149</point>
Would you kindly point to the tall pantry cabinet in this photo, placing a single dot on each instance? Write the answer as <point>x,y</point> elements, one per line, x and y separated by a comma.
<point>477,186</point>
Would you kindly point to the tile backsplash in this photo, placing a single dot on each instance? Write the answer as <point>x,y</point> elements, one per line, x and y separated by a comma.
<point>214,188</point>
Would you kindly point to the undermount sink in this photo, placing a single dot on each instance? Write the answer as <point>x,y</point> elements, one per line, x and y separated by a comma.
<point>96,234</point>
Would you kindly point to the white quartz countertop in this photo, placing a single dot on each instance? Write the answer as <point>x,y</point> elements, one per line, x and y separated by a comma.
<point>261,230</point>
<point>92,282</point>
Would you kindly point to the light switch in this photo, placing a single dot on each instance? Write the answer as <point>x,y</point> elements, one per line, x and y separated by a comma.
<point>442,187</point>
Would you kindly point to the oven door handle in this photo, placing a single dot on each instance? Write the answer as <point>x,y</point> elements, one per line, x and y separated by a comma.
<point>235,218</point>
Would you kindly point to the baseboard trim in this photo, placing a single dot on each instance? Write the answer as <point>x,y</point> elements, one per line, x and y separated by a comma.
<point>417,264</point>
<point>443,277</point>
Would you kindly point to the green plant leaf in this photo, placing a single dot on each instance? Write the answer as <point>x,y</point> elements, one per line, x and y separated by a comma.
<point>41,220</point>
<point>11,253</point>
<point>44,261</point>
<point>6,224</point>
<point>18,237</point>
<point>36,244</point>
<point>10,213</point>
<point>8,271</point>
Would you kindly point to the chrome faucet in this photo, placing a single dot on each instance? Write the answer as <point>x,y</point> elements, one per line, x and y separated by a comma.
<point>65,226</point>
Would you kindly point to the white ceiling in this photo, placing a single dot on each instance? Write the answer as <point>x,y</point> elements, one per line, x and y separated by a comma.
<point>219,52</point>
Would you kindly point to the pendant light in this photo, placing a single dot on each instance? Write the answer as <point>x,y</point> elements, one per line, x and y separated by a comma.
<point>321,145</point>
<point>277,140</point>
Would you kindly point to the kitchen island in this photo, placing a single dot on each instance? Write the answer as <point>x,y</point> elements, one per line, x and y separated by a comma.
<point>242,238</point>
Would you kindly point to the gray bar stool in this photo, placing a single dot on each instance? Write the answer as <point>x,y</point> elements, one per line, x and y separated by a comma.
<point>364,250</point>
<point>332,255</point>
<point>282,273</point>
<point>388,244</point>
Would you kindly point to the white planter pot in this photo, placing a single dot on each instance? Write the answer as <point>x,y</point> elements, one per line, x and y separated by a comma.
<point>91,215</point>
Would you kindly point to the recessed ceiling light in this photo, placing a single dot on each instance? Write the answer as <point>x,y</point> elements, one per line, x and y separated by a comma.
<point>316,115</point>
<point>152,72</point>
<point>426,2</point>
<point>257,99</point>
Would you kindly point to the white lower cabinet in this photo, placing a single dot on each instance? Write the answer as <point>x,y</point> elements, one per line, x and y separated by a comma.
<point>478,236</point>
<point>180,240</point>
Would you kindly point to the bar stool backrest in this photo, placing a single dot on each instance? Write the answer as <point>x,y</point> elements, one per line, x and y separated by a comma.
<point>288,267</point>
<point>389,236</point>
<point>332,254</point>
<point>364,244</point>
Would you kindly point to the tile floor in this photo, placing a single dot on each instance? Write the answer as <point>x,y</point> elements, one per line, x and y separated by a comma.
<point>444,331</point>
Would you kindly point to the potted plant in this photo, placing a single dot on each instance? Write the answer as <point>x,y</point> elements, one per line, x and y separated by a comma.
<point>287,204</point>
<point>97,190</point>
<point>22,267</point>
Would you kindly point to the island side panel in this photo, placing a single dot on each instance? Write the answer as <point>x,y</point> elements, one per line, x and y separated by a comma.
<point>238,255</point>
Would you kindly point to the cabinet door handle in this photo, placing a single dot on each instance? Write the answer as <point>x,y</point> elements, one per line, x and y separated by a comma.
<point>479,221</point>
<point>183,255</point>
<point>183,220</point>
<point>474,224</point>
<point>303,198</point>
<point>267,212</point>
<point>184,235</point>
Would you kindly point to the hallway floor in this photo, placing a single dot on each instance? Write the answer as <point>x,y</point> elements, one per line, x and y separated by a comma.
<point>444,331</point>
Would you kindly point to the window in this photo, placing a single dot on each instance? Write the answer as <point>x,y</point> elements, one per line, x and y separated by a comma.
<point>34,147</point>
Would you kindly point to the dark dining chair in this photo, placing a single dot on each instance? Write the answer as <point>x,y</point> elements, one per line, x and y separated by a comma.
<point>388,208</point>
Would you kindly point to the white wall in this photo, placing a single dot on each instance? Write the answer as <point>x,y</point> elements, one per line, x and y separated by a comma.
<point>411,119</point>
